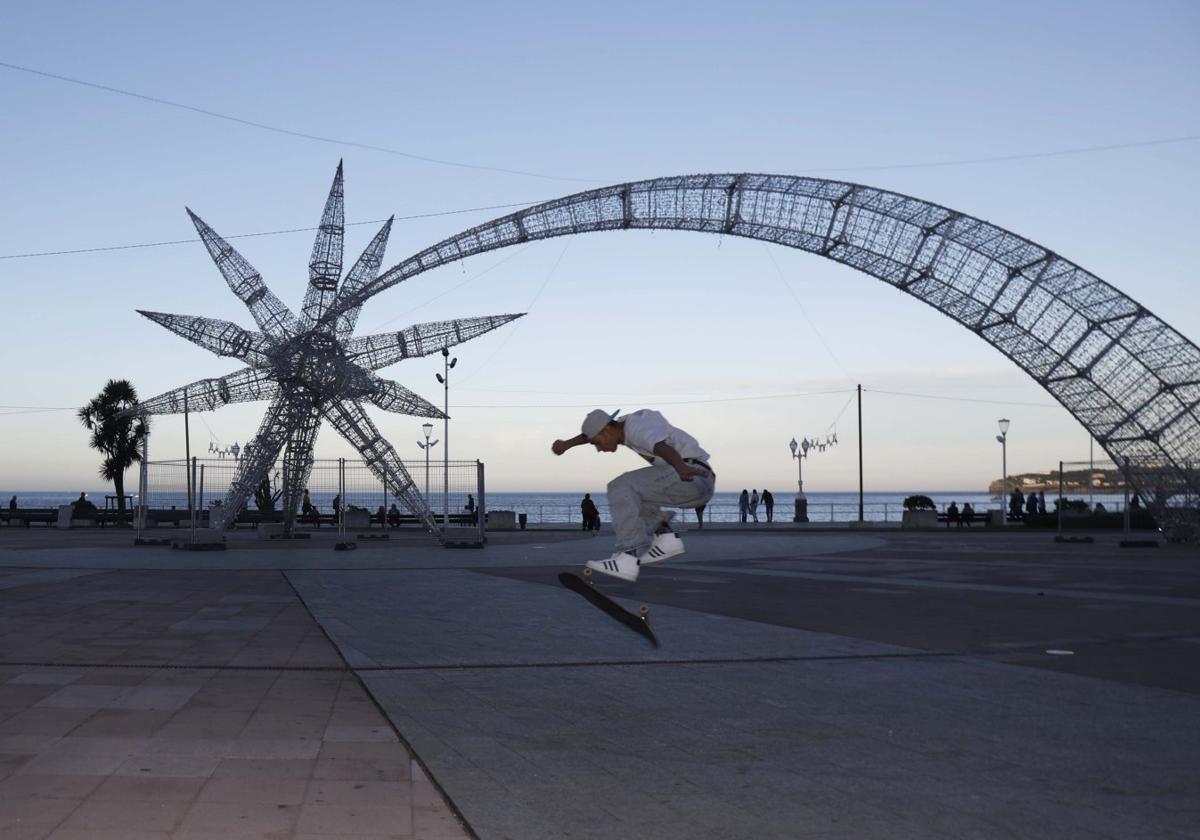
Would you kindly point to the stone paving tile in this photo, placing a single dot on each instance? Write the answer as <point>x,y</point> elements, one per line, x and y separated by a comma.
<point>107,834</point>
<point>274,768</point>
<point>46,677</point>
<point>116,815</point>
<point>168,766</point>
<point>368,769</point>
<point>335,817</point>
<point>266,789</point>
<point>52,787</point>
<point>232,819</point>
<point>148,789</point>
<point>33,817</point>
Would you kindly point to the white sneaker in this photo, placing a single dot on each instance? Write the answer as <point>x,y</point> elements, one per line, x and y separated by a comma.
<point>664,546</point>
<point>621,565</point>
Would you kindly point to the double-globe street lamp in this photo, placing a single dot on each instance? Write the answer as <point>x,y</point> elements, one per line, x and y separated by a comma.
<point>800,452</point>
<point>1002,439</point>
<point>445,380</point>
<point>427,428</point>
<point>801,514</point>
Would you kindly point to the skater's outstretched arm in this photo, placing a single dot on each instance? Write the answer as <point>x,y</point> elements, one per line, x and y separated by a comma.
<point>561,446</point>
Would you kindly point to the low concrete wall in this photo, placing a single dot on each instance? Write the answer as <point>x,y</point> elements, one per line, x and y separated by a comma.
<point>502,520</point>
<point>919,519</point>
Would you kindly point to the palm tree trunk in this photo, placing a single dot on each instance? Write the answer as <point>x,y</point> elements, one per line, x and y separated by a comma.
<point>119,484</point>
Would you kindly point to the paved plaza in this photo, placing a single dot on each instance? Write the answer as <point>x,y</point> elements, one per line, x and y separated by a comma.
<point>809,684</point>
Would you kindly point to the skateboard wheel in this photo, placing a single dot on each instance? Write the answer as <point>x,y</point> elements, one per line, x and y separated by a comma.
<point>644,610</point>
<point>587,573</point>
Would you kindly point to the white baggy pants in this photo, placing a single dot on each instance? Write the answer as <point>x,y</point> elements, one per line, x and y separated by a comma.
<point>635,499</point>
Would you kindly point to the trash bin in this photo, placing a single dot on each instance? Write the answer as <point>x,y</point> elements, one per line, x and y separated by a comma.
<point>522,518</point>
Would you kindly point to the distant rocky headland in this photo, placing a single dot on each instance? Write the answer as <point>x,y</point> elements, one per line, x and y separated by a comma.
<point>1073,481</point>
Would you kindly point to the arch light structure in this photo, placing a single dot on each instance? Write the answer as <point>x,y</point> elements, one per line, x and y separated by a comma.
<point>1125,374</point>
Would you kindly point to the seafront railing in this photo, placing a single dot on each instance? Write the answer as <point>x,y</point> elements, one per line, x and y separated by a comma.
<point>831,512</point>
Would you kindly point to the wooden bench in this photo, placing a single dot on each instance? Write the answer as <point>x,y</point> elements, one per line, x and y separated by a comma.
<point>980,517</point>
<point>24,517</point>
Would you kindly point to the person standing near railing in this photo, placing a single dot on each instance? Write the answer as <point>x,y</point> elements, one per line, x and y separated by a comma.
<point>590,514</point>
<point>679,476</point>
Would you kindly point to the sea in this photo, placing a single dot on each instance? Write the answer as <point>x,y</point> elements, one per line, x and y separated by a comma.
<point>563,508</point>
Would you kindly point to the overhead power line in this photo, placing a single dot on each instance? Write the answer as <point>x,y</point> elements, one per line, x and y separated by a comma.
<point>289,132</point>
<point>262,233</point>
<point>672,402</point>
<point>1077,150</point>
<point>960,399</point>
<point>28,409</point>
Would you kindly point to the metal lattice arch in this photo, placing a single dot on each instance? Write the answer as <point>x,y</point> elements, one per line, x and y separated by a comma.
<point>1122,372</point>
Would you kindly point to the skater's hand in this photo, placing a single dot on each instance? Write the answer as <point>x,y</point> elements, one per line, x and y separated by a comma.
<point>561,446</point>
<point>687,472</point>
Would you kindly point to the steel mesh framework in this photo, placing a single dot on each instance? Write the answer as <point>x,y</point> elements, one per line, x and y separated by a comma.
<point>1123,372</point>
<point>310,367</point>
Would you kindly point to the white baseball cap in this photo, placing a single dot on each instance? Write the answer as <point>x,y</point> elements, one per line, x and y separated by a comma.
<point>595,422</point>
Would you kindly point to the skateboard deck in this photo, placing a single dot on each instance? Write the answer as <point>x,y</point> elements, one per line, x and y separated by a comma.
<point>637,623</point>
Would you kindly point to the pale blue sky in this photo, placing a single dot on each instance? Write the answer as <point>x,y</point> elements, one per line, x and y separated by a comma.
<point>604,94</point>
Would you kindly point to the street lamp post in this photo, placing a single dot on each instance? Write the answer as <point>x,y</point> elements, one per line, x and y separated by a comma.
<point>427,428</point>
<point>800,452</point>
<point>445,380</point>
<point>1002,439</point>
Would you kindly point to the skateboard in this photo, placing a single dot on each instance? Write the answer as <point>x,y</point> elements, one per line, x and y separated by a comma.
<point>638,623</point>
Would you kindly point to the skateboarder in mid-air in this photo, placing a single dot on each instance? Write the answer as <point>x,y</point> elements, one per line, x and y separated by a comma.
<point>679,477</point>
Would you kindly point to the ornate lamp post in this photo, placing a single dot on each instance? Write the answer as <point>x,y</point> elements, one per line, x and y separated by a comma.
<point>801,514</point>
<point>1002,439</point>
<point>427,445</point>
<point>800,452</point>
<point>445,380</point>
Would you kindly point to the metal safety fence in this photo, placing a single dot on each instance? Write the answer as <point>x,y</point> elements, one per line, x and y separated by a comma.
<point>566,513</point>
<point>339,493</point>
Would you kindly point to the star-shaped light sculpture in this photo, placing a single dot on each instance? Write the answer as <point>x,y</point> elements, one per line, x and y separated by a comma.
<point>310,366</point>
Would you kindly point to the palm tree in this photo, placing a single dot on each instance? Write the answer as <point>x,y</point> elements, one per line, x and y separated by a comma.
<point>119,439</point>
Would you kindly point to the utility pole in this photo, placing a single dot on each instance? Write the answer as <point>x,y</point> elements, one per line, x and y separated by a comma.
<point>860,465</point>
<point>187,465</point>
<point>445,380</point>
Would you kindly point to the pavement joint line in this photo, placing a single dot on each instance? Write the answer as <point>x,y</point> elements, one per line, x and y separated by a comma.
<point>453,807</point>
<point>172,666</point>
<point>919,583</point>
<point>1024,647</point>
<point>998,650</point>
